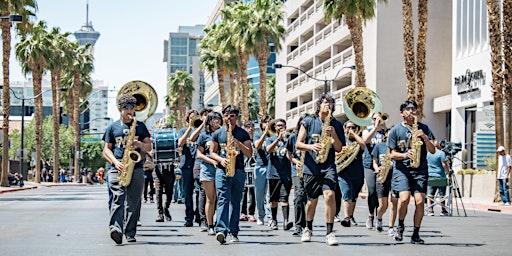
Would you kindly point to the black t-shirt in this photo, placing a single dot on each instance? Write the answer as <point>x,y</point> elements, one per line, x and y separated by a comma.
<point>355,169</point>
<point>280,166</point>
<point>377,138</point>
<point>261,155</point>
<point>290,146</point>
<point>204,140</point>
<point>313,126</point>
<point>188,151</point>
<point>221,137</point>
<point>400,140</point>
<point>117,134</point>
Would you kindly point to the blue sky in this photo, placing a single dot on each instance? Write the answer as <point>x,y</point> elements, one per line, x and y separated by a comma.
<point>132,33</point>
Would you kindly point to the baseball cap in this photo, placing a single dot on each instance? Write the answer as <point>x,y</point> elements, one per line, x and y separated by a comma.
<point>500,148</point>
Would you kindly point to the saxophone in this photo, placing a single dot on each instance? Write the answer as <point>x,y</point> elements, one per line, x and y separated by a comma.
<point>231,154</point>
<point>385,164</point>
<point>347,156</point>
<point>415,145</point>
<point>130,157</point>
<point>325,139</point>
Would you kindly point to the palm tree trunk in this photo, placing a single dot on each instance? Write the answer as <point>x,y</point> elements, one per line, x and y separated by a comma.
<point>262,63</point>
<point>6,96</point>
<point>421,54</point>
<point>222,93</point>
<point>409,48</point>
<point>76,122</point>
<point>507,83</point>
<point>56,118</point>
<point>355,27</point>
<point>245,94</point>
<point>38,112</point>
<point>233,96</point>
<point>495,40</point>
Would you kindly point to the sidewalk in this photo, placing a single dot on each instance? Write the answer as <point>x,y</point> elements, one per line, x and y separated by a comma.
<point>33,185</point>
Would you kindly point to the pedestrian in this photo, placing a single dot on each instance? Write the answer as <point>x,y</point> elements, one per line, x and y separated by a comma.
<point>504,166</point>
<point>126,200</point>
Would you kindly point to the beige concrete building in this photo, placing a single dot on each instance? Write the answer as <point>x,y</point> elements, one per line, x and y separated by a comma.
<point>323,49</point>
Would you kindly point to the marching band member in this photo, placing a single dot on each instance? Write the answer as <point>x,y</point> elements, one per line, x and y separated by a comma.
<point>208,166</point>
<point>126,201</point>
<point>320,178</point>
<point>372,136</point>
<point>299,201</point>
<point>383,189</point>
<point>351,178</point>
<point>248,201</point>
<point>279,174</point>
<point>404,142</point>
<point>187,161</point>
<point>229,189</point>
<point>260,170</point>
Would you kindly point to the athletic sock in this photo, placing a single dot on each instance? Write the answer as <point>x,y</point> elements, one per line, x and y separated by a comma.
<point>286,211</point>
<point>329,227</point>
<point>274,213</point>
<point>416,231</point>
<point>401,223</point>
<point>309,224</point>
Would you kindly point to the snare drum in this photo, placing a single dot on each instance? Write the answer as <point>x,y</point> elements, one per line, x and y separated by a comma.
<point>249,177</point>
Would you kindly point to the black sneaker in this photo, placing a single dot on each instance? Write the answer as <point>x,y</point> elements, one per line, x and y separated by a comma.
<point>346,222</point>
<point>415,239</point>
<point>188,224</point>
<point>160,218</point>
<point>287,225</point>
<point>399,234</point>
<point>116,236</point>
<point>221,238</point>
<point>151,201</point>
<point>168,216</point>
<point>297,232</point>
<point>273,225</point>
<point>131,239</point>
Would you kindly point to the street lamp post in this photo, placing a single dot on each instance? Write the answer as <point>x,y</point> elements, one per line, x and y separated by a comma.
<point>278,66</point>
<point>22,149</point>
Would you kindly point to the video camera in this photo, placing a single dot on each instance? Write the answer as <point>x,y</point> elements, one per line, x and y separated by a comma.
<point>450,148</point>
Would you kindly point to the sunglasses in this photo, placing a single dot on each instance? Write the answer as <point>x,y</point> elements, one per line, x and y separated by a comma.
<point>279,125</point>
<point>351,127</point>
<point>229,115</point>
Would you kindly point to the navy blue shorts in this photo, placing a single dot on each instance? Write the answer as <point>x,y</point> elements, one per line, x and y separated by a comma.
<point>279,189</point>
<point>316,185</point>
<point>350,188</point>
<point>406,180</point>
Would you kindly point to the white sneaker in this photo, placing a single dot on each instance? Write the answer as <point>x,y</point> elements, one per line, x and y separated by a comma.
<point>391,231</point>
<point>259,222</point>
<point>507,204</point>
<point>330,239</point>
<point>306,235</point>
<point>369,223</point>
<point>353,221</point>
<point>337,218</point>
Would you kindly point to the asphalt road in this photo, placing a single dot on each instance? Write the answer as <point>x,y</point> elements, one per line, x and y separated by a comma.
<point>74,221</point>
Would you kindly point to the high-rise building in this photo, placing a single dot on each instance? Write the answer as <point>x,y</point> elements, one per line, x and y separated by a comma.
<point>324,50</point>
<point>181,53</point>
<point>86,34</point>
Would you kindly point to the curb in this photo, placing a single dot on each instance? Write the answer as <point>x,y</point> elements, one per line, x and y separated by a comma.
<point>9,189</point>
<point>26,187</point>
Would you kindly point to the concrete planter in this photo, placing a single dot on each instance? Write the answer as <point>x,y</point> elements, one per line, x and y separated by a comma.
<point>481,186</point>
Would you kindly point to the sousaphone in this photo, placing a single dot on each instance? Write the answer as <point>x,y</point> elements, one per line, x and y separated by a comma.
<point>360,103</point>
<point>145,95</point>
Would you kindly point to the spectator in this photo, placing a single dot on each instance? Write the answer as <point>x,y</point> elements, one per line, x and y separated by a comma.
<point>504,166</point>
<point>437,168</point>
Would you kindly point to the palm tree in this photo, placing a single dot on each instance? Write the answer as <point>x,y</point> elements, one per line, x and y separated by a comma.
<point>33,54</point>
<point>81,68</point>
<point>253,102</point>
<point>355,13</point>
<point>212,57</point>
<point>7,7</point>
<point>507,65</point>
<point>60,57</point>
<point>421,54</point>
<point>266,26</point>
<point>181,85</point>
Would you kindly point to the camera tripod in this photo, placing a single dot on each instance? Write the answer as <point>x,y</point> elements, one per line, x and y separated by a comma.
<point>454,187</point>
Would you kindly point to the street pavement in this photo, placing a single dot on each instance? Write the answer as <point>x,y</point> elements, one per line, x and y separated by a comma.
<point>72,219</point>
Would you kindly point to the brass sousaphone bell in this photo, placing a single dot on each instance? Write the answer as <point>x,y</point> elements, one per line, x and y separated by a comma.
<point>360,103</point>
<point>145,95</point>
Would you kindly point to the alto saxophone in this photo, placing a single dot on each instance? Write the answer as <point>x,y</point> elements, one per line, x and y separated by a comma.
<point>130,157</point>
<point>231,154</point>
<point>385,164</point>
<point>416,143</point>
<point>325,139</point>
<point>299,169</point>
